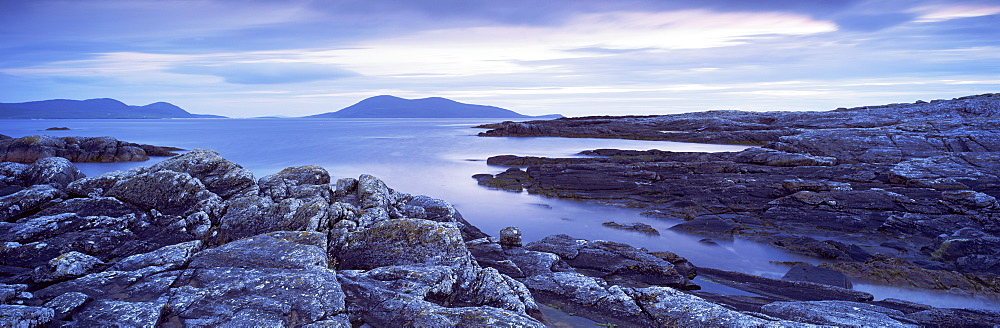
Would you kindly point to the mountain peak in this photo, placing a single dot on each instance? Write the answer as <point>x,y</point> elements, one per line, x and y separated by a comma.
<point>92,108</point>
<point>387,106</point>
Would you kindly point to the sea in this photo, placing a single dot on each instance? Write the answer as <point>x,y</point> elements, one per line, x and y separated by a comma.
<point>437,157</point>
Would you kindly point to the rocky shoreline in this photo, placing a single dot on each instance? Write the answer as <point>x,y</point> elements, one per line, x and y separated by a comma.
<point>28,149</point>
<point>196,240</point>
<point>901,194</point>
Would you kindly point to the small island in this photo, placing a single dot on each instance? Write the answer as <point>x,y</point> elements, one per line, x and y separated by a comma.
<point>435,107</point>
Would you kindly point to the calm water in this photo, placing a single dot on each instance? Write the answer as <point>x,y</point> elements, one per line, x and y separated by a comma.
<point>437,158</point>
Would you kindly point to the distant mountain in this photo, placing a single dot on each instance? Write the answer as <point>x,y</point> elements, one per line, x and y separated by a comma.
<point>93,108</point>
<point>435,107</point>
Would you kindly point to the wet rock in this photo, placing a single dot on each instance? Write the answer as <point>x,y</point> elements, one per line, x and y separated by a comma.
<point>818,275</point>
<point>898,272</point>
<point>76,149</point>
<point>838,313</point>
<point>635,226</point>
<point>782,289</point>
<point>956,318</point>
<point>612,260</point>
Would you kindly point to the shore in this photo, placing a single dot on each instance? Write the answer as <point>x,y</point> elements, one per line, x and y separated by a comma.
<point>901,194</point>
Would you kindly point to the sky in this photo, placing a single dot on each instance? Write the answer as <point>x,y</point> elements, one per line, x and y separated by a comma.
<point>247,58</point>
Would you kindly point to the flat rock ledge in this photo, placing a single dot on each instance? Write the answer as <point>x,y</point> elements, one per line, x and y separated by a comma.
<point>196,240</point>
<point>902,194</point>
<point>28,149</point>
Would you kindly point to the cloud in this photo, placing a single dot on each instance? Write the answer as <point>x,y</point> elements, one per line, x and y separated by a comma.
<point>267,72</point>
<point>940,13</point>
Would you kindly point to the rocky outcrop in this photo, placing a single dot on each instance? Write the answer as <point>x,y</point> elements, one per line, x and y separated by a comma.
<point>915,184</point>
<point>196,241</point>
<point>77,149</point>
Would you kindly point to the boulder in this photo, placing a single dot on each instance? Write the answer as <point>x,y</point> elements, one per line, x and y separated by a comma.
<point>820,275</point>
<point>838,313</point>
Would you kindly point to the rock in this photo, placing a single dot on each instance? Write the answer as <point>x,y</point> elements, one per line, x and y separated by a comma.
<point>220,176</point>
<point>76,149</point>
<point>408,296</point>
<point>510,237</point>
<point>818,275</point>
<point>70,265</point>
<point>278,250</point>
<point>52,170</point>
<point>771,157</point>
<point>402,242</point>
<point>612,260</point>
<point>428,208</point>
<point>67,303</point>
<point>24,316</point>
<point>167,257</point>
<point>838,313</point>
<point>589,297</point>
<point>956,318</point>
<point>15,205</point>
<point>634,226</point>
<point>969,198</point>
<point>671,308</point>
<point>236,296</point>
<point>169,192</point>
<point>110,313</point>
<point>782,289</point>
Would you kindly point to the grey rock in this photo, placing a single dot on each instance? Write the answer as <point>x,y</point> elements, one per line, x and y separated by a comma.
<point>220,176</point>
<point>402,242</point>
<point>612,260</point>
<point>70,265</point>
<point>278,250</point>
<point>669,307</point>
<point>166,257</point>
<point>33,198</point>
<point>20,316</point>
<point>52,170</point>
<point>10,292</point>
<point>169,192</point>
<point>838,313</point>
<point>428,208</point>
<point>77,149</point>
<point>111,313</point>
<point>408,296</point>
<point>826,276</point>
<point>233,296</point>
<point>66,304</point>
<point>634,226</point>
<point>967,318</point>
<point>589,297</point>
<point>771,157</point>
<point>510,237</point>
